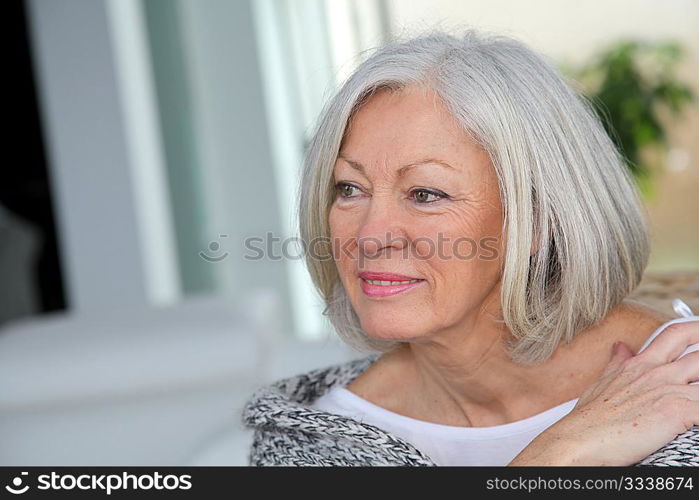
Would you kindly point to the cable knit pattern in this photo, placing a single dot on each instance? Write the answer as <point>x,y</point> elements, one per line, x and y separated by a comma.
<point>290,432</point>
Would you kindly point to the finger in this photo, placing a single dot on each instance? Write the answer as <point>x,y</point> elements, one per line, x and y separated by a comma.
<point>620,353</point>
<point>683,402</point>
<point>684,369</point>
<point>671,342</point>
<point>625,352</point>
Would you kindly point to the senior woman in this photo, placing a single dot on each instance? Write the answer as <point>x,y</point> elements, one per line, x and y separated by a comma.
<point>466,217</point>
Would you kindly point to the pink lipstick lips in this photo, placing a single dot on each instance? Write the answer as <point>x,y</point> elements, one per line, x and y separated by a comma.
<point>386,284</point>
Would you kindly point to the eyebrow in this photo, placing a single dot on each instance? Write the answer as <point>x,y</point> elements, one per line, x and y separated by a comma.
<point>402,170</point>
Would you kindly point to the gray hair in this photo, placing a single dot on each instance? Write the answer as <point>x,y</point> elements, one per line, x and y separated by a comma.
<point>565,189</point>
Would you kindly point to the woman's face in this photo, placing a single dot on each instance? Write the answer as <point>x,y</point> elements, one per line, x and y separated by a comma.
<point>415,197</point>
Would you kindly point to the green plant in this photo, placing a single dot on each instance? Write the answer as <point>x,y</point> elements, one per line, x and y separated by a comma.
<point>628,83</point>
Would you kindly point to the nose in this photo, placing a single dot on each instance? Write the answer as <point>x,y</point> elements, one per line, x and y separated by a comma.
<point>381,229</point>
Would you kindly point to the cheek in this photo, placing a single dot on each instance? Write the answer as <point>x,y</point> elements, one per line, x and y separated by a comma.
<point>457,235</point>
<point>342,237</point>
<point>340,224</point>
<point>333,220</point>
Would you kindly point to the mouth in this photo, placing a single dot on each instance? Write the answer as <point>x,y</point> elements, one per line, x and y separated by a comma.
<point>386,288</point>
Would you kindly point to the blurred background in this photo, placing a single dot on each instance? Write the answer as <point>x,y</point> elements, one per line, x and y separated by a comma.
<point>153,138</point>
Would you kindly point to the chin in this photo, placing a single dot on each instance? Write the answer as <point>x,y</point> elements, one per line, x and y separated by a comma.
<point>400,330</point>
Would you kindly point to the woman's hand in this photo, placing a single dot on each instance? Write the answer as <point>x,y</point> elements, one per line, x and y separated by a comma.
<point>639,404</point>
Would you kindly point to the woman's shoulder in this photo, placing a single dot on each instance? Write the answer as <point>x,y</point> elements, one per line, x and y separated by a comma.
<point>645,312</point>
<point>304,388</point>
<point>637,321</point>
<point>288,430</point>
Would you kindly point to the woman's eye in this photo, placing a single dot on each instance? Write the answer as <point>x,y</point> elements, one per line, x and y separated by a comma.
<point>426,196</point>
<point>344,189</point>
<point>421,196</point>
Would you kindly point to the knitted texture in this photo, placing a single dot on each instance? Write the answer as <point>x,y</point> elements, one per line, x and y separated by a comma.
<point>288,431</point>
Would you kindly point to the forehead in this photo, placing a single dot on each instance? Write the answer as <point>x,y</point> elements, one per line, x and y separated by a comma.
<point>396,127</point>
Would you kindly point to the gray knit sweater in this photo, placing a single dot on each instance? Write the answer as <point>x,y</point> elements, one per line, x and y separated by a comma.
<point>288,431</point>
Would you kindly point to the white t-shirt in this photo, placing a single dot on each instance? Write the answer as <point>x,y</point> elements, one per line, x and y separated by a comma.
<point>453,445</point>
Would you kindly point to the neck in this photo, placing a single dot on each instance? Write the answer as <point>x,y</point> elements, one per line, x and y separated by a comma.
<point>465,377</point>
<point>469,380</point>
<point>475,384</point>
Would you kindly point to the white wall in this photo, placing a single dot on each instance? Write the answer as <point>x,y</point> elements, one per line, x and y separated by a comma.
<point>83,123</point>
